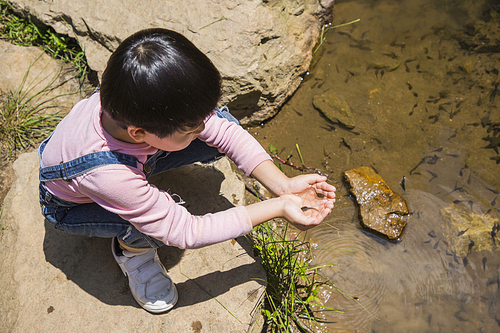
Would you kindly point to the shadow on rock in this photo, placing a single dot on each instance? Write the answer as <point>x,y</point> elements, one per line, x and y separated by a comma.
<point>89,263</point>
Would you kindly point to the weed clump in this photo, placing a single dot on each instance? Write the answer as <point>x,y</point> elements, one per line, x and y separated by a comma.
<point>23,31</point>
<point>291,302</point>
<point>24,116</point>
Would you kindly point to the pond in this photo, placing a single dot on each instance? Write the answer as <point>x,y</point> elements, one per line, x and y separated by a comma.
<point>422,80</point>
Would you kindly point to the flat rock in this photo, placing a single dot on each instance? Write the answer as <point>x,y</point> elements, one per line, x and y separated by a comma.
<point>465,231</point>
<point>29,69</point>
<point>334,108</point>
<point>262,48</point>
<point>54,282</point>
<point>380,209</point>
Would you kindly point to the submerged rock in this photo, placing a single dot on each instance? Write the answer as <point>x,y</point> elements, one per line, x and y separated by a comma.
<point>380,209</point>
<point>334,108</point>
<point>465,231</point>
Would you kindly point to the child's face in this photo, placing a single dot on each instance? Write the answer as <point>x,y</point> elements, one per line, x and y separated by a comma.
<point>179,140</point>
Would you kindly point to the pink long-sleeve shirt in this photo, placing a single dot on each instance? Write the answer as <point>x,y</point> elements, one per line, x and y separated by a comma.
<point>125,191</point>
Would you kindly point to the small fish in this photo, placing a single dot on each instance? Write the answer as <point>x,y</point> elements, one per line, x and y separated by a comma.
<point>391,55</point>
<point>461,170</point>
<point>471,245</point>
<point>426,242</point>
<point>432,234</point>
<point>402,45</point>
<point>484,263</point>
<point>459,189</point>
<point>465,261</point>
<point>435,118</point>
<point>432,174</point>
<point>413,109</point>
<point>345,144</point>
<point>462,232</point>
<point>436,245</point>
<point>403,183</point>
<point>428,160</point>
<point>305,208</point>
<point>494,230</point>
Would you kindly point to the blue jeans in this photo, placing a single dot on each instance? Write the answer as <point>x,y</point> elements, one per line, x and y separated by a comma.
<point>92,220</point>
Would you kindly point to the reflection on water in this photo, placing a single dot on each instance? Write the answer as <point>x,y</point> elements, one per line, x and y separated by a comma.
<point>422,79</point>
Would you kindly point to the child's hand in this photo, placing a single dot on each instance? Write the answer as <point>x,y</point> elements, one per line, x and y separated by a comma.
<point>306,209</point>
<point>301,184</point>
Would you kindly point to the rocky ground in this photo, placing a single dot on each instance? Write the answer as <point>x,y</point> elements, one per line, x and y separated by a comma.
<point>61,283</point>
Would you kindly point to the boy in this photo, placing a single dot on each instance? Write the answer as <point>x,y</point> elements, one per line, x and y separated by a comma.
<point>157,110</point>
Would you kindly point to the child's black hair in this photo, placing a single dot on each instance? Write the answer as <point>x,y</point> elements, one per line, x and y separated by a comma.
<point>159,81</point>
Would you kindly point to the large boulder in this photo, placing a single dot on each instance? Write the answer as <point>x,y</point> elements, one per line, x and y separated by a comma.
<point>262,48</point>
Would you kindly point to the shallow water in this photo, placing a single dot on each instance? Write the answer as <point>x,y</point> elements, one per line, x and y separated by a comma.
<point>430,121</point>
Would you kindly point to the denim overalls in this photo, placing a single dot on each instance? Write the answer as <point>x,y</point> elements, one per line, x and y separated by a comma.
<point>92,220</point>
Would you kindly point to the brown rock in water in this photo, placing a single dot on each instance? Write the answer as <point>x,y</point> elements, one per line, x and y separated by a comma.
<point>380,209</point>
<point>334,108</point>
<point>465,231</point>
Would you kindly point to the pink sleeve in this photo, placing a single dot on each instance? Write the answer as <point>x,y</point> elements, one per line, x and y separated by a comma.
<point>126,192</point>
<point>235,142</point>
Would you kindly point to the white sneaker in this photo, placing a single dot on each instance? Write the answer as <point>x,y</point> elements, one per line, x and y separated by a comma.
<point>151,287</point>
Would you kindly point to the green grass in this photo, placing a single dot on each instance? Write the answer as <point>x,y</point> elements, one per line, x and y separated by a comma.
<point>23,31</point>
<point>26,116</point>
<point>326,28</point>
<point>292,301</point>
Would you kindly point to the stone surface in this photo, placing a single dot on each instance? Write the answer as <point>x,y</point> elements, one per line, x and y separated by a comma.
<point>262,48</point>
<point>334,108</point>
<point>54,282</point>
<point>465,231</point>
<point>380,209</point>
<point>39,72</point>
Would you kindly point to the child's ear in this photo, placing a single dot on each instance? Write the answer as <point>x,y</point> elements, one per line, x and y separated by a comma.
<point>136,133</point>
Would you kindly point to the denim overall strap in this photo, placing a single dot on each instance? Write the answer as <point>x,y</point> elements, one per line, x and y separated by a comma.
<point>74,168</point>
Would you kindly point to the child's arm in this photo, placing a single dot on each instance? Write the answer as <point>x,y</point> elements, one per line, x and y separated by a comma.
<point>297,202</point>
<point>299,211</point>
<point>278,183</point>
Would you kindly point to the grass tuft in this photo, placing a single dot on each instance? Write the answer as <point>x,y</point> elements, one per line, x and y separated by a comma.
<point>292,302</point>
<point>23,31</point>
<point>24,115</point>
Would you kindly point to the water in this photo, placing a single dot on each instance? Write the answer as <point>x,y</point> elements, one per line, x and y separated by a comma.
<point>430,121</point>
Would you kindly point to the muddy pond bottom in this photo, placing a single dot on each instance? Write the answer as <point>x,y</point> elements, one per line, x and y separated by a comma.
<point>422,81</point>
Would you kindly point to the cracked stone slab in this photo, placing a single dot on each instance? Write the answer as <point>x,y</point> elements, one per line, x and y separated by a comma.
<point>53,282</point>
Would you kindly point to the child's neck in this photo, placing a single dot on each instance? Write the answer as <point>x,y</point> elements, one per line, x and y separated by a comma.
<point>114,130</point>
